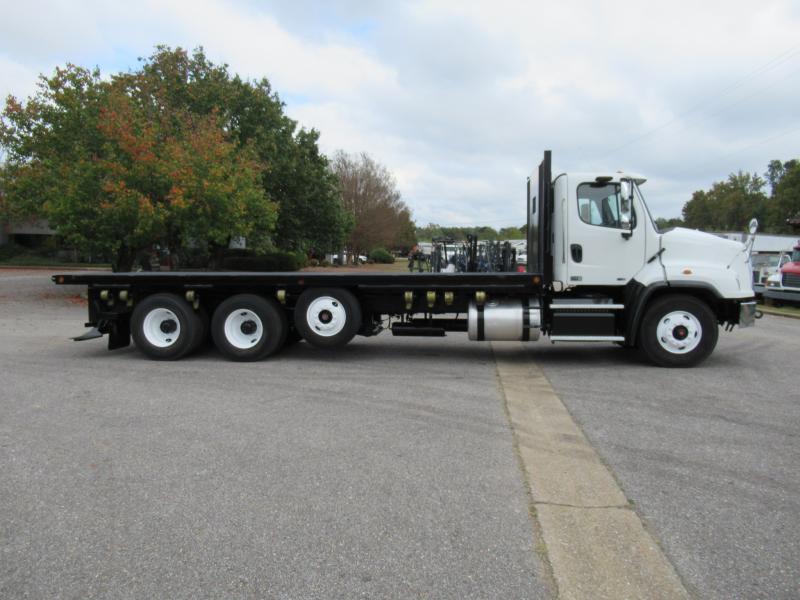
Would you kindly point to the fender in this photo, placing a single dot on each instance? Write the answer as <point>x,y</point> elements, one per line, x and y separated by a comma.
<point>637,296</point>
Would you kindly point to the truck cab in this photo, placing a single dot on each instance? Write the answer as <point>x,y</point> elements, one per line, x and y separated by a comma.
<point>785,284</point>
<point>593,238</point>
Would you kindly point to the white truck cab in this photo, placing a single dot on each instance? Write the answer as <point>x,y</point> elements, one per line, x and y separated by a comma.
<point>604,236</point>
<point>600,252</point>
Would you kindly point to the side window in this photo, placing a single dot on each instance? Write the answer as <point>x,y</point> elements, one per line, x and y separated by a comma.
<point>598,204</point>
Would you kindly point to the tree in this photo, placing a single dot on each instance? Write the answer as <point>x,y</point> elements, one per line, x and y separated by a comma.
<point>178,152</point>
<point>728,205</point>
<point>511,233</point>
<point>294,172</point>
<point>115,170</point>
<point>664,224</point>
<point>370,195</point>
<point>784,203</point>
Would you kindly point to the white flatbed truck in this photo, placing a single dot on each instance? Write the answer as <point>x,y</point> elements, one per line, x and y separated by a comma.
<point>598,270</point>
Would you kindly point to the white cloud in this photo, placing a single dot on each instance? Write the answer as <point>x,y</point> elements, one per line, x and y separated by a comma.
<point>459,98</point>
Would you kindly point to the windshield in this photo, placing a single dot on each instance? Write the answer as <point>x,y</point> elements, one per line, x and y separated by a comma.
<point>796,255</point>
<point>765,260</point>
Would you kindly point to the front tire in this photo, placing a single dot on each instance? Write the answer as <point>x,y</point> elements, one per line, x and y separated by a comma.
<point>327,318</point>
<point>678,331</point>
<point>248,327</point>
<point>164,327</point>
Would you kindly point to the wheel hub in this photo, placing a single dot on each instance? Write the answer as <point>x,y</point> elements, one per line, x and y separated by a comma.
<point>679,332</point>
<point>326,316</point>
<point>249,327</point>
<point>243,329</point>
<point>161,327</point>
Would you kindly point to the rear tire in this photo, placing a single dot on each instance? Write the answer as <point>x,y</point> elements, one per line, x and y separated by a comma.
<point>164,327</point>
<point>678,331</point>
<point>248,327</point>
<point>327,318</point>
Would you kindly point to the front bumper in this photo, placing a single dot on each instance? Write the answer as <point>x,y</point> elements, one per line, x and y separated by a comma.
<point>747,314</point>
<point>779,294</point>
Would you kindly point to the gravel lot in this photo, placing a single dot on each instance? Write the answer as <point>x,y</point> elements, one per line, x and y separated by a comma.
<point>384,470</point>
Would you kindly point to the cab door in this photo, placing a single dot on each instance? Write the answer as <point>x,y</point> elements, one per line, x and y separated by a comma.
<point>606,245</point>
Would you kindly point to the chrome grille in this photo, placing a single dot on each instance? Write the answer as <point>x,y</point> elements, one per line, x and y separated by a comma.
<point>791,280</point>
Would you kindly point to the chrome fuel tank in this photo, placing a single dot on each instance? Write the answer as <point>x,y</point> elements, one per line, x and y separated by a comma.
<point>504,319</point>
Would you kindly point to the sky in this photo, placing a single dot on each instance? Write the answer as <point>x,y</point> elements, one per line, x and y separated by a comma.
<point>458,99</point>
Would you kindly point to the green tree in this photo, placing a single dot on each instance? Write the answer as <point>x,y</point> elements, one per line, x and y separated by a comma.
<point>728,205</point>
<point>511,233</point>
<point>178,152</point>
<point>115,170</point>
<point>294,172</point>
<point>664,224</point>
<point>785,201</point>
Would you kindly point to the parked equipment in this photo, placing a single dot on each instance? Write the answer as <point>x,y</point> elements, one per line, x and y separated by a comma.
<point>598,270</point>
<point>784,285</point>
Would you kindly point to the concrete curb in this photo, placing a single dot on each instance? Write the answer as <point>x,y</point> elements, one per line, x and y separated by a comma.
<point>769,310</point>
<point>595,542</point>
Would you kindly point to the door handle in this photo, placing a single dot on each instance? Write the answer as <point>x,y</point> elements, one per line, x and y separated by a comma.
<point>577,252</point>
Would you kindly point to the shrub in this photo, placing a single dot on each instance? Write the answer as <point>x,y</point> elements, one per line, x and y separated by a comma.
<point>313,262</point>
<point>325,263</point>
<point>276,260</point>
<point>11,250</point>
<point>381,255</point>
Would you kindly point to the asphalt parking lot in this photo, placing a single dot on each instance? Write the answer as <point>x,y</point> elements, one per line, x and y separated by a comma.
<point>387,469</point>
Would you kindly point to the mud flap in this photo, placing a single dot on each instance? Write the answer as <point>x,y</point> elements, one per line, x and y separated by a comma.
<point>119,334</point>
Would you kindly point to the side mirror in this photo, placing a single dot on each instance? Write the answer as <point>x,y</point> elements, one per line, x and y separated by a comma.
<point>625,190</point>
<point>625,204</point>
<point>753,226</point>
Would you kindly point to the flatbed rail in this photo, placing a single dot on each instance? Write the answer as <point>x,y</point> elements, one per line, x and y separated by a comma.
<point>300,280</point>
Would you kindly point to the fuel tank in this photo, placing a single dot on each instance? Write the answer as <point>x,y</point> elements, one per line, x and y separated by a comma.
<point>504,319</point>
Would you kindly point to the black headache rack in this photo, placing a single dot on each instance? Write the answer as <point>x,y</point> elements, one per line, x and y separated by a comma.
<point>540,217</point>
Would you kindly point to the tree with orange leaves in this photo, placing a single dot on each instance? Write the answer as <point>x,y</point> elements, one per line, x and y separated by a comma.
<point>177,153</point>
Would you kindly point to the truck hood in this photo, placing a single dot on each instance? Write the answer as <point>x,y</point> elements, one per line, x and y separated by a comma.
<point>792,267</point>
<point>698,246</point>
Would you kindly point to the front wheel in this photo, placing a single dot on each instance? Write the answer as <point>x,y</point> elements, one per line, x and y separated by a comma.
<point>678,331</point>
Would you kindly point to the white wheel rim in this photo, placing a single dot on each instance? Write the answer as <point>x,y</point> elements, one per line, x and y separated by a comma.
<point>161,327</point>
<point>243,329</point>
<point>679,332</point>
<point>326,316</point>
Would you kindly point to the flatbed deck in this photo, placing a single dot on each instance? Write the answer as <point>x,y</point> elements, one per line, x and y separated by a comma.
<point>295,281</point>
